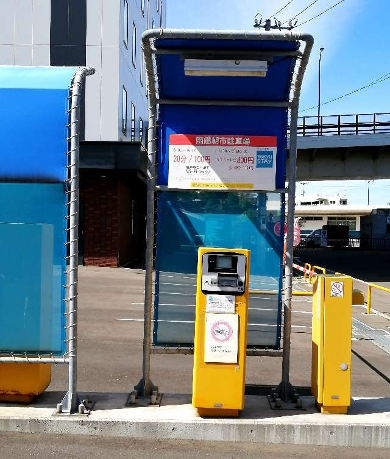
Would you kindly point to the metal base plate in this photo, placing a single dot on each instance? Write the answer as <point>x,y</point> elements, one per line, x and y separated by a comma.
<point>134,400</point>
<point>278,404</point>
<point>81,407</point>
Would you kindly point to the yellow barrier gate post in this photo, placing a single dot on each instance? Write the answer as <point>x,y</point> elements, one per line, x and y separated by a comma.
<point>220,331</point>
<point>331,343</point>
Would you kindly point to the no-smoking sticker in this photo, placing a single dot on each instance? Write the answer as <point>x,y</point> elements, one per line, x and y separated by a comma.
<point>221,331</point>
<point>337,289</point>
<point>221,338</point>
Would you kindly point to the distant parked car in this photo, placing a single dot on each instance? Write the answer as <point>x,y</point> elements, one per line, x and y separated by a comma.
<point>313,239</point>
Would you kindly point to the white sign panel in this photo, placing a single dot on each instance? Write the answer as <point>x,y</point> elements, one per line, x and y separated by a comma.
<point>221,304</point>
<point>221,338</point>
<point>222,162</point>
<point>337,289</point>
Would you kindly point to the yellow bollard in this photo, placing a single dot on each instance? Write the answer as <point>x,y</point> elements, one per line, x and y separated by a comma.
<point>369,299</point>
<point>308,267</point>
<point>331,343</point>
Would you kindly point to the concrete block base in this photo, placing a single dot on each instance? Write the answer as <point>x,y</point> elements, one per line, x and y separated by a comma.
<point>366,425</point>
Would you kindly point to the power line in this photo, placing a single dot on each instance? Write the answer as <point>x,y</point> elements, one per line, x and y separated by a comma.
<point>320,14</point>
<point>373,83</point>
<point>281,9</point>
<point>296,15</point>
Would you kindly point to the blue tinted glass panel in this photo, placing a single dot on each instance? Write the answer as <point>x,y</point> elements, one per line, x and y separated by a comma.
<point>188,220</point>
<point>32,266</point>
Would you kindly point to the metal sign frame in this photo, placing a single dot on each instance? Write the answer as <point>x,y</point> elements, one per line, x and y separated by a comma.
<point>71,400</point>
<point>145,386</point>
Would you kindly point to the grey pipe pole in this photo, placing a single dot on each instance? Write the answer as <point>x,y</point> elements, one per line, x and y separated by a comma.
<point>285,392</point>
<point>73,202</point>
<point>285,389</point>
<point>145,386</point>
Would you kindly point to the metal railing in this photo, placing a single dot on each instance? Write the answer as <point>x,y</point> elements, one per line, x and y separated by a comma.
<point>354,124</point>
<point>310,271</point>
<point>364,243</point>
<point>370,287</point>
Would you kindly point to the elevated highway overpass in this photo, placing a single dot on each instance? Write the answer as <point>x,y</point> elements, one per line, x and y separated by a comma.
<point>344,147</point>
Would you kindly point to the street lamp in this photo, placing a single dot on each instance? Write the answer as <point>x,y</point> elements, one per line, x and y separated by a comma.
<point>319,90</point>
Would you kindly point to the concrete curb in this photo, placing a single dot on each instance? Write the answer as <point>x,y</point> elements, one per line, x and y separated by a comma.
<point>358,435</point>
<point>367,425</point>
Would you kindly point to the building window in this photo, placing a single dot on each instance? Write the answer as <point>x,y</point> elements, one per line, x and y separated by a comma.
<point>126,23</point>
<point>124,111</point>
<point>142,70</point>
<point>307,219</point>
<point>132,122</point>
<point>344,220</point>
<point>143,7</point>
<point>134,46</point>
<point>141,130</point>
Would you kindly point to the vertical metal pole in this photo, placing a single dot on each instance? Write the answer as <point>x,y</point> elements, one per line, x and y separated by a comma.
<point>73,244</point>
<point>285,385</point>
<point>71,399</point>
<point>149,252</point>
<point>145,386</point>
<point>285,389</point>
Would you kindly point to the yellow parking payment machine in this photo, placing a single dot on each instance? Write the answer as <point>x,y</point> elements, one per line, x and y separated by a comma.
<point>220,331</point>
<point>331,343</point>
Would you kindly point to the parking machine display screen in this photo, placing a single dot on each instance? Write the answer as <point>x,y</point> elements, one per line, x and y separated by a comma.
<point>224,262</point>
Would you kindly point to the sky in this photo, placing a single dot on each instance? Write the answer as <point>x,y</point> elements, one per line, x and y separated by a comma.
<point>355,35</point>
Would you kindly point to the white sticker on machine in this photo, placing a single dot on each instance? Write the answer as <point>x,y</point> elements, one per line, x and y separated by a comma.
<point>221,304</point>
<point>221,338</point>
<point>337,289</point>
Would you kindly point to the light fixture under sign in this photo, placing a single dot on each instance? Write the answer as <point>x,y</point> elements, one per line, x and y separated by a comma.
<point>205,67</point>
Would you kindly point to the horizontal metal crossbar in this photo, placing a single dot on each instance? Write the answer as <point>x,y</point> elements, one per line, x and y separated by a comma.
<point>189,350</point>
<point>232,54</point>
<point>27,359</point>
<point>166,188</point>
<point>231,103</point>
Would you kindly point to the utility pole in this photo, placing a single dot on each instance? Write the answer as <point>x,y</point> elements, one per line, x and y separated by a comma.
<point>267,25</point>
<point>368,191</point>
<point>319,91</point>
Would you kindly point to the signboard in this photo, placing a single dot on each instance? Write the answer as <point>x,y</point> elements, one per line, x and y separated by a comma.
<point>221,304</point>
<point>222,162</point>
<point>297,232</point>
<point>221,338</point>
<point>337,289</point>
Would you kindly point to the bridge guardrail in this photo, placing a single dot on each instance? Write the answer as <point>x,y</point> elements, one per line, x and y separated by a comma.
<point>347,124</point>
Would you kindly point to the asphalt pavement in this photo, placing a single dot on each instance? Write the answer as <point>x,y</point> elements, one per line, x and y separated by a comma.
<point>110,357</point>
<point>27,446</point>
